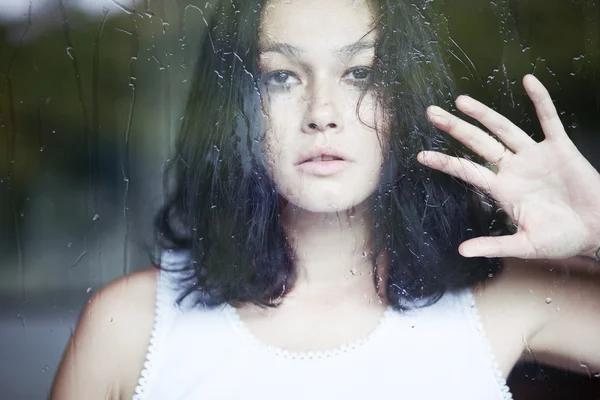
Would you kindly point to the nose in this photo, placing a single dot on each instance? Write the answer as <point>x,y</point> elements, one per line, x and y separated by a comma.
<point>321,112</point>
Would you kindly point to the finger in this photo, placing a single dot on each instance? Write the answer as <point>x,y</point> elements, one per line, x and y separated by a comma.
<point>460,168</point>
<point>544,108</point>
<point>511,135</point>
<point>498,246</point>
<point>471,136</point>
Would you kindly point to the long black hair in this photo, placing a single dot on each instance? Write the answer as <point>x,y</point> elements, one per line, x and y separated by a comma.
<point>224,212</point>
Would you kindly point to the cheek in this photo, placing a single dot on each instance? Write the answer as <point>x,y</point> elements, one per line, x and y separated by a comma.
<point>373,118</point>
<point>281,122</point>
<point>372,112</point>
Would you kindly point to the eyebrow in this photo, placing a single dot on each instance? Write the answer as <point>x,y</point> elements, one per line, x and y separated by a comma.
<point>292,51</point>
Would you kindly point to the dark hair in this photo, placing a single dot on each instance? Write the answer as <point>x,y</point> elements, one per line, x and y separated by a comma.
<point>224,211</point>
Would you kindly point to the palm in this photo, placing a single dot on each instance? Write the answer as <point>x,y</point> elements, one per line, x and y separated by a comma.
<point>536,191</point>
<point>548,189</point>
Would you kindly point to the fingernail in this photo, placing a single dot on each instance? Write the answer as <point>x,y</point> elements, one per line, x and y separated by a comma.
<point>465,103</point>
<point>436,111</point>
<point>466,253</point>
<point>437,115</point>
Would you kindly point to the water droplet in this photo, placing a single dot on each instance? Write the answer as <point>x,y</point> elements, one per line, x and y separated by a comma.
<point>96,217</point>
<point>110,319</point>
<point>89,290</point>
<point>69,50</point>
<point>548,300</point>
<point>42,148</point>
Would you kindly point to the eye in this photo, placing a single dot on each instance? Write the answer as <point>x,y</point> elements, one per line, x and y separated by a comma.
<point>280,78</point>
<point>358,75</point>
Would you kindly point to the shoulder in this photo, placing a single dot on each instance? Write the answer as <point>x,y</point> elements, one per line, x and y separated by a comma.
<point>527,307</point>
<point>513,307</point>
<point>551,306</point>
<point>106,352</point>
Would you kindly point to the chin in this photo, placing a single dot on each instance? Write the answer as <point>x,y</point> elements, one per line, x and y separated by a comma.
<point>321,201</point>
<point>323,206</point>
<point>326,194</point>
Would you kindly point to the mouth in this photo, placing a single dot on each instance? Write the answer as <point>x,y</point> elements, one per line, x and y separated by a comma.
<point>323,164</point>
<point>322,158</point>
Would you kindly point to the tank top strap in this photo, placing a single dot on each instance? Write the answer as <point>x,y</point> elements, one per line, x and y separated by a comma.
<point>467,301</point>
<point>166,309</point>
<point>464,299</point>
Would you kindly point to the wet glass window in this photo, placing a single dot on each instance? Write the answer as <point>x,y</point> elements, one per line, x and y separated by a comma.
<point>269,150</point>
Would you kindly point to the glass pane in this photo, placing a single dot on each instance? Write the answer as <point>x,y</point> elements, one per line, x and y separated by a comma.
<point>93,96</point>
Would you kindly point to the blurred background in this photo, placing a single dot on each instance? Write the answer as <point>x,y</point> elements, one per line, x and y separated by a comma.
<point>91,97</point>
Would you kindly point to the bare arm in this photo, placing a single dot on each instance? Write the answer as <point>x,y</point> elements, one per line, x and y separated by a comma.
<point>106,352</point>
<point>571,338</point>
<point>554,305</point>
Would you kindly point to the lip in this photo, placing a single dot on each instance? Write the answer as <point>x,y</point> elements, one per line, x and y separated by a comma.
<point>321,152</point>
<point>322,168</point>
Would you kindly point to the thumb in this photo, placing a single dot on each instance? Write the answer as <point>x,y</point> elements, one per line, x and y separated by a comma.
<point>497,246</point>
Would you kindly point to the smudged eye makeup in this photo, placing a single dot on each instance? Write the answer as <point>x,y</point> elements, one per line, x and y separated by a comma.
<point>283,79</point>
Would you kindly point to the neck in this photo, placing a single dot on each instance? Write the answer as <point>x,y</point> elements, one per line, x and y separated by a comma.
<point>331,253</point>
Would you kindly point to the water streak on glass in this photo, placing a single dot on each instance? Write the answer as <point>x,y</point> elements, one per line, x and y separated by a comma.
<point>125,163</point>
<point>92,96</point>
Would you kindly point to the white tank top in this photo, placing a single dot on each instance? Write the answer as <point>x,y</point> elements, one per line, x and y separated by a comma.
<point>436,352</point>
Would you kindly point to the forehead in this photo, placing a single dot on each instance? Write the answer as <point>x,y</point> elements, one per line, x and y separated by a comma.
<point>315,24</point>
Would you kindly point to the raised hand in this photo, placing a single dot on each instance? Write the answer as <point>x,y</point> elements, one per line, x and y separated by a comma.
<point>548,189</point>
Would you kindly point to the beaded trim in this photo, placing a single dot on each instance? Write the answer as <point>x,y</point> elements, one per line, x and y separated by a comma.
<point>161,299</point>
<point>500,380</point>
<point>234,318</point>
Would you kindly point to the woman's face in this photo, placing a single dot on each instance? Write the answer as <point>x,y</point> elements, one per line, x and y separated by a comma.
<point>323,152</point>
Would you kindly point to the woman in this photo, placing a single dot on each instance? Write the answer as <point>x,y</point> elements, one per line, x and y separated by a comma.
<point>306,254</point>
